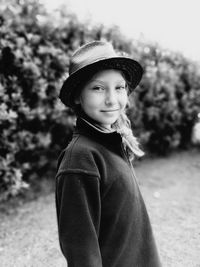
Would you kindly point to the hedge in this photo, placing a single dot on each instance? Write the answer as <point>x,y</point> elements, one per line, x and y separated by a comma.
<point>167,102</point>
<point>35,51</point>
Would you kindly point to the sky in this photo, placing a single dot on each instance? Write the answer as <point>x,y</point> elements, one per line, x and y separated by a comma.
<point>173,24</point>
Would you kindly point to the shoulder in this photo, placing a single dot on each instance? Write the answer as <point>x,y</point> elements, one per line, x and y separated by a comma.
<point>82,146</point>
<point>81,155</point>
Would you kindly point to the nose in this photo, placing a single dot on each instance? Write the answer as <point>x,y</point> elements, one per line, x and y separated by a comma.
<point>111,98</point>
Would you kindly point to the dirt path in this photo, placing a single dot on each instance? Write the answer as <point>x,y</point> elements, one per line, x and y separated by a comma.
<point>170,186</point>
<point>172,196</point>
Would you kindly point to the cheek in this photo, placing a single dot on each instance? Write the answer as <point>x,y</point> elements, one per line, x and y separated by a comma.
<point>123,100</point>
<point>88,101</point>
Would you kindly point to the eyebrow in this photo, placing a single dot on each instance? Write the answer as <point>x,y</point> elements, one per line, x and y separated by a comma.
<point>118,81</point>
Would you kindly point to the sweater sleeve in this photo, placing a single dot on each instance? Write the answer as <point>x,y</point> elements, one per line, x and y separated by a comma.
<point>78,212</point>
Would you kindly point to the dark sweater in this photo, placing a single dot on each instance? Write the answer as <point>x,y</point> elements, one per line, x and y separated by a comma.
<point>102,219</point>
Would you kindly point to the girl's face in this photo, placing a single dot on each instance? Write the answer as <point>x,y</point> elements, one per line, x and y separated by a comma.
<point>104,97</point>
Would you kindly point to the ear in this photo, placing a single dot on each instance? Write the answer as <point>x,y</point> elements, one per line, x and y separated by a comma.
<point>77,100</point>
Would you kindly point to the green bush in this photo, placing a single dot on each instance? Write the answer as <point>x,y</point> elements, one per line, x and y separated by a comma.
<point>35,51</point>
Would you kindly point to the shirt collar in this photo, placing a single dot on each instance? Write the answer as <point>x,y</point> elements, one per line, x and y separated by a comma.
<point>88,128</point>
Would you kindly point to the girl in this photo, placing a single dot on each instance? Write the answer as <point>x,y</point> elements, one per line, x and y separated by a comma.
<point>102,219</point>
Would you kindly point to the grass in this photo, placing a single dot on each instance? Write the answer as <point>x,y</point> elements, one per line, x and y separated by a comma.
<point>170,187</point>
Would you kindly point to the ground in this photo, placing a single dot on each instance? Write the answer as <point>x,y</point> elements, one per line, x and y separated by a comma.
<point>170,186</point>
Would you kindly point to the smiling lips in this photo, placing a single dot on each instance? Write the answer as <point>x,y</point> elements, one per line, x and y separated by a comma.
<point>112,110</point>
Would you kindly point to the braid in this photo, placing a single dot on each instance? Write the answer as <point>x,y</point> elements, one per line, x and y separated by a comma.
<point>131,145</point>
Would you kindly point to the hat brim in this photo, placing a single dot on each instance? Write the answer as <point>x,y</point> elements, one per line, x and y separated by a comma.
<point>131,69</point>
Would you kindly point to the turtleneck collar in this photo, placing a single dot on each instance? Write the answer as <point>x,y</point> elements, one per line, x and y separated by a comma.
<point>88,127</point>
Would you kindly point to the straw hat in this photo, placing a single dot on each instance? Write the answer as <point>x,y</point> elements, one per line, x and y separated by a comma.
<point>91,58</point>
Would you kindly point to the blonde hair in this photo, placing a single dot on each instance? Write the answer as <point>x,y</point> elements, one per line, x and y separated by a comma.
<point>130,143</point>
<point>123,126</point>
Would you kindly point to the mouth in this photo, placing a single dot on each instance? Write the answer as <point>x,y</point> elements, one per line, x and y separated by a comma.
<point>110,110</point>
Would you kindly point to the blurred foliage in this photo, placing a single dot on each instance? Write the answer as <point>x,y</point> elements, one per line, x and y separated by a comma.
<point>35,126</point>
<point>167,101</point>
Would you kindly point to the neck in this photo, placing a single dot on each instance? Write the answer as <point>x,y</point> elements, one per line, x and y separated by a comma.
<point>92,122</point>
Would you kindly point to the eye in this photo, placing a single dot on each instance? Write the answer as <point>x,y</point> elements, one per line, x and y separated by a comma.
<point>121,87</point>
<point>97,88</point>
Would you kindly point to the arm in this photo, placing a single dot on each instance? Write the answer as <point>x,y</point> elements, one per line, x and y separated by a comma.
<point>78,210</point>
